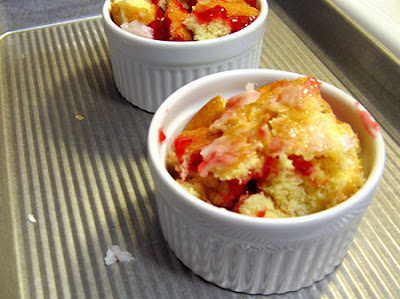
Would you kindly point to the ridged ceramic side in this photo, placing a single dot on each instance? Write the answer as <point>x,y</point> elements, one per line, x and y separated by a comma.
<point>147,71</point>
<point>242,266</point>
<point>147,85</point>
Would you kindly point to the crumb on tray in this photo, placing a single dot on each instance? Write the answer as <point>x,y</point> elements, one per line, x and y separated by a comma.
<point>115,255</point>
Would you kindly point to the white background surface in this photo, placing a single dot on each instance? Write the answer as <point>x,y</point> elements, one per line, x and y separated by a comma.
<point>381,18</point>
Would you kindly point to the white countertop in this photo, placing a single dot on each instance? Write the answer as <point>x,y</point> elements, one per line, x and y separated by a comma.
<point>380,18</point>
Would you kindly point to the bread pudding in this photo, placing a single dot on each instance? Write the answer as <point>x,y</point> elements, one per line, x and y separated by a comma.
<point>276,151</point>
<point>183,20</point>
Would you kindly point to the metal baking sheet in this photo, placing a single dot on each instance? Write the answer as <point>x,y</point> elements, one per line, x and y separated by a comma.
<point>73,156</point>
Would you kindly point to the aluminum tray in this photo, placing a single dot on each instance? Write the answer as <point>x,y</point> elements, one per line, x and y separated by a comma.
<point>73,155</point>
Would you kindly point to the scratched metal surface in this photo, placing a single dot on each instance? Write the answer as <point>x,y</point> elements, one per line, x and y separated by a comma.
<point>87,182</point>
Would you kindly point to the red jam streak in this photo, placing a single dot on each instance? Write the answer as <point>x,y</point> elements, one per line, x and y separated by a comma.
<point>241,22</point>
<point>181,144</point>
<point>305,168</point>
<point>235,190</point>
<point>270,167</point>
<point>219,12</point>
<point>261,214</point>
<point>370,124</point>
<point>181,150</point>
<point>190,3</point>
<point>159,26</point>
<point>161,135</point>
<point>252,3</point>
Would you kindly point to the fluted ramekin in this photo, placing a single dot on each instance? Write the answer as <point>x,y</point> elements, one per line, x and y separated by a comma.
<point>250,254</point>
<point>147,71</point>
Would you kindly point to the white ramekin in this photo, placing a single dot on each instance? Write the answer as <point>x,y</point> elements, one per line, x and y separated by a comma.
<point>147,71</point>
<point>250,254</point>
